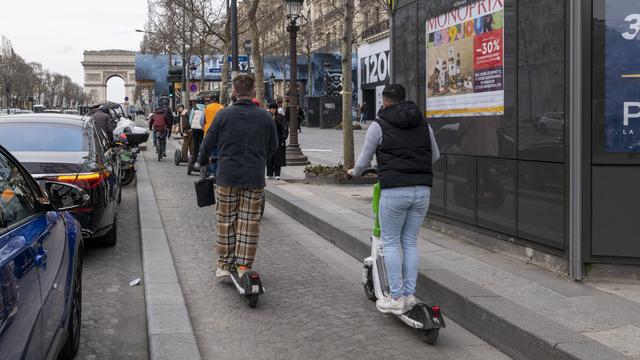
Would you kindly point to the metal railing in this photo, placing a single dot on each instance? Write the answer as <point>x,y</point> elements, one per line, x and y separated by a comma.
<point>376,29</point>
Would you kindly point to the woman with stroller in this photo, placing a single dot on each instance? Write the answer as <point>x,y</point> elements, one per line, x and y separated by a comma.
<point>278,160</point>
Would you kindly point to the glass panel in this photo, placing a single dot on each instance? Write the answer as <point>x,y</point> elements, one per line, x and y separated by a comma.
<point>42,137</point>
<point>541,80</point>
<point>16,199</point>
<point>616,81</point>
<point>461,188</point>
<point>496,195</point>
<point>437,191</point>
<point>541,202</point>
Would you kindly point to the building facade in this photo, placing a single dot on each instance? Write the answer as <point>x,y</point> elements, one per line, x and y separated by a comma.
<point>537,116</point>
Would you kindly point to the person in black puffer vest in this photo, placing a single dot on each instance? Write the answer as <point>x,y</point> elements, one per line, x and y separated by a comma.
<point>405,149</point>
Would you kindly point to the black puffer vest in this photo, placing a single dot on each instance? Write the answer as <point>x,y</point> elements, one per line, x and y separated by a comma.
<point>404,156</point>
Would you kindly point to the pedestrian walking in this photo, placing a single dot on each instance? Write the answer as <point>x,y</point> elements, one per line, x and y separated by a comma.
<point>100,115</point>
<point>363,113</point>
<point>279,159</point>
<point>246,136</point>
<point>281,110</point>
<point>210,113</point>
<point>358,114</point>
<point>405,149</point>
<point>185,129</point>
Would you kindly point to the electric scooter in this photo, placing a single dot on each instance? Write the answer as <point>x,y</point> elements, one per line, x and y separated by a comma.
<point>249,284</point>
<point>426,319</point>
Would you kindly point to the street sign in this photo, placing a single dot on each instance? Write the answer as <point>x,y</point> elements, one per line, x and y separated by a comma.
<point>126,98</point>
<point>193,87</point>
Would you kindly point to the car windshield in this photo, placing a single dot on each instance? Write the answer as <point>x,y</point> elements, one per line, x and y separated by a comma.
<point>42,137</point>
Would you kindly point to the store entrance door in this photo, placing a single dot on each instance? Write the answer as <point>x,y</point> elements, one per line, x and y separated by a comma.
<point>369,98</point>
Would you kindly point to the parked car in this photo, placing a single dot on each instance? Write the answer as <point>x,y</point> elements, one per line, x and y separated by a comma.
<point>70,149</point>
<point>550,121</point>
<point>52,111</point>
<point>40,265</point>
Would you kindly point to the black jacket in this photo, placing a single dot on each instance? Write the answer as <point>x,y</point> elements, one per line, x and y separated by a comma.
<point>404,156</point>
<point>246,137</point>
<point>103,121</point>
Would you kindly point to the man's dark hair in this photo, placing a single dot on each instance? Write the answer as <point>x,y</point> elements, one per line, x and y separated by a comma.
<point>244,85</point>
<point>180,106</point>
<point>394,92</point>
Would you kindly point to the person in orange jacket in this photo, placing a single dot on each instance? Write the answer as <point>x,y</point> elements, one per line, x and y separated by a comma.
<point>210,113</point>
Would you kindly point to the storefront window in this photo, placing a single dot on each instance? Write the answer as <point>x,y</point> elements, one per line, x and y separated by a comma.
<point>616,81</point>
<point>541,80</point>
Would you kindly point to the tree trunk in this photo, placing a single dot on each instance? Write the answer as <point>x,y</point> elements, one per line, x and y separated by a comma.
<point>256,51</point>
<point>347,87</point>
<point>224,86</point>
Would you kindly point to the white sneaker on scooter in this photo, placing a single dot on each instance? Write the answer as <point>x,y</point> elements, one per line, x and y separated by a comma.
<point>389,305</point>
<point>221,273</point>
<point>409,302</point>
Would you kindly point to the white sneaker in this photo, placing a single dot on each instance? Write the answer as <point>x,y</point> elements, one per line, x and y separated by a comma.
<point>388,305</point>
<point>409,302</point>
<point>277,177</point>
<point>220,273</point>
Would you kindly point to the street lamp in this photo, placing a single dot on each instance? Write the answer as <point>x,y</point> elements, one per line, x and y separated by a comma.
<point>327,78</point>
<point>273,87</point>
<point>294,153</point>
<point>247,48</point>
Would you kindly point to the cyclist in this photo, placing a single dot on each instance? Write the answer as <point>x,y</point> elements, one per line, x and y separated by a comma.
<point>159,124</point>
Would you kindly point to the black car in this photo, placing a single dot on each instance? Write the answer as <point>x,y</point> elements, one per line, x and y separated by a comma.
<point>70,149</point>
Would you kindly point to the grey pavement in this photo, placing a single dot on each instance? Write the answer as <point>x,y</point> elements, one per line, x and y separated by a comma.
<point>169,329</point>
<point>580,319</point>
<point>314,306</point>
<point>113,314</point>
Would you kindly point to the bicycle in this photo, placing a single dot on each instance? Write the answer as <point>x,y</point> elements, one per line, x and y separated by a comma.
<point>161,145</point>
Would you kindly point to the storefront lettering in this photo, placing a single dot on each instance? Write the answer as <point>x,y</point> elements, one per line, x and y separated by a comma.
<point>464,13</point>
<point>634,19</point>
<point>628,114</point>
<point>375,68</point>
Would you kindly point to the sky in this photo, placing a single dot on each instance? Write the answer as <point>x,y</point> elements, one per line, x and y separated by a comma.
<point>56,32</point>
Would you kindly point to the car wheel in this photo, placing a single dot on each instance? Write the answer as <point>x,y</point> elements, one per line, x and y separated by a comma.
<point>72,344</point>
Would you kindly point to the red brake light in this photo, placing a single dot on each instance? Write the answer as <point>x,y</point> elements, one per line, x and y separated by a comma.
<point>85,181</point>
<point>436,311</point>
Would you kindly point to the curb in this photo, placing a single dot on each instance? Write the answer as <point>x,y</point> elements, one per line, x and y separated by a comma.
<point>169,329</point>
<point>510,327</point>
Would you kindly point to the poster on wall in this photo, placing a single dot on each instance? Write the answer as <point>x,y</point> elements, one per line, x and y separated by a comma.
<point>622,76</point>
<point>465,61</point>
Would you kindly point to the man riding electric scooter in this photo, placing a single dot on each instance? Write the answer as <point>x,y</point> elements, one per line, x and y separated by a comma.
<point>245,137</point>
<point>405,148</point>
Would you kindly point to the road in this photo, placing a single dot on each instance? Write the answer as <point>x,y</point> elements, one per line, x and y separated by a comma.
<point>113,314</point>
<point>314,306</point>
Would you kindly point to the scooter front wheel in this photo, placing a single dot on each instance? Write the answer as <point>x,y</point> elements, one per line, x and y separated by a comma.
<point>429,336</point>
<point>252,300</point>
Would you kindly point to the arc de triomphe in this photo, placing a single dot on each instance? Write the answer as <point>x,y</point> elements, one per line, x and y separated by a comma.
<point>100,66</point>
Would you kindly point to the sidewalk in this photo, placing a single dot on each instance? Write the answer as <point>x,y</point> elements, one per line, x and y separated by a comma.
<point>523,310</point>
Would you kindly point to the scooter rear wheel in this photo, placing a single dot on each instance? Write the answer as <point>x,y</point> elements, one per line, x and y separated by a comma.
<point>189,165</point>
<point>252,300</point>
<point>429,336</point>
<point>177,157</point>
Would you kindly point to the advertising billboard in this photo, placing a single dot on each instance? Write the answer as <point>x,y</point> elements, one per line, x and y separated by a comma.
<point>465,61</point>
<point>622,76</point>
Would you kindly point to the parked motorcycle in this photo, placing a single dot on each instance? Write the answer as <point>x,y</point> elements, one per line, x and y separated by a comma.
<point>128,138</point>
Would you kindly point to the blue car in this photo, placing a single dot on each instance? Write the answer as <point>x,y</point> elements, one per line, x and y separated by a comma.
<point>40,265</point>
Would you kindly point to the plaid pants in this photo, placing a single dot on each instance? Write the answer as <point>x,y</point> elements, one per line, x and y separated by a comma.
<point>238,215</point>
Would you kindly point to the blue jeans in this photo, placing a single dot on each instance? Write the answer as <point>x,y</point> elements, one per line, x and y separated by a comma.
<point>402,211</point>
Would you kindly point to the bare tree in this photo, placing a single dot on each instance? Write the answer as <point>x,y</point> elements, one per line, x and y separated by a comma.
<point>347,85</point>
<point>256,52</point>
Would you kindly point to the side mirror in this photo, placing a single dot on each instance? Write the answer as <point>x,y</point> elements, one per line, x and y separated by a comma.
<point>65,196</point>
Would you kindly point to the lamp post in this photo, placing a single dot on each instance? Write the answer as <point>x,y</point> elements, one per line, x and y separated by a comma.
<point>247,49</point>
<point>294,153</point>
<point>326,67</point>
<point>273,87</point>
<point>235,69</point>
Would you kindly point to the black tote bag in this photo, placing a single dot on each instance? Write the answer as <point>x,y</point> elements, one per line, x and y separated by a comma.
<point>205,192</point>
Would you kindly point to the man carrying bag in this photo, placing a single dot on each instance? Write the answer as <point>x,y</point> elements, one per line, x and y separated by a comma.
<point>245,137</point>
